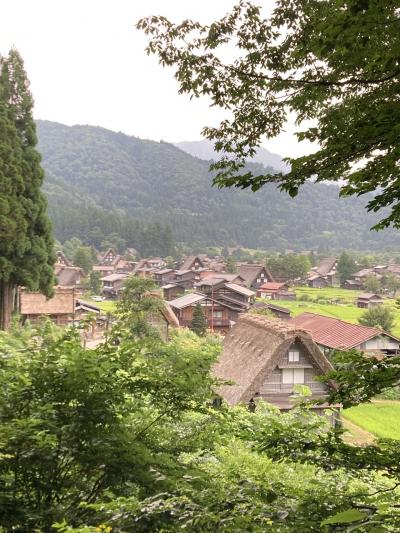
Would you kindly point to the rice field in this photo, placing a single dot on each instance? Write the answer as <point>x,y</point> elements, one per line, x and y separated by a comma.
<point>334,302</point>
<point>381,418</point>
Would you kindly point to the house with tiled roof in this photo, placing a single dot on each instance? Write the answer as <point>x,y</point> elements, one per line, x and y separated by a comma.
<point>335,334</point>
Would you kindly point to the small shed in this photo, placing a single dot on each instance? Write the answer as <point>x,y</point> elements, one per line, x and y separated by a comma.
<point>368,300</point>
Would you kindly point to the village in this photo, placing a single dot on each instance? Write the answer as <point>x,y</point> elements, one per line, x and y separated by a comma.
<point>295,343</point>
<point>199,266</point>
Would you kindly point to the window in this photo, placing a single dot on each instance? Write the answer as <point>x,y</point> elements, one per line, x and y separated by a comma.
<point>292,376</point>
<point>294,356</point>
<point>217,314</point>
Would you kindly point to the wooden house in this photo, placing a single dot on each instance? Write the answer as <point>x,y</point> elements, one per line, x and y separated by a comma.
<point>113,285</point>
<point>254,275</point>
<point>61,259</point>
<point>368,300</point>
<point>269,289</point>
<point>220,316</point>
<point>335,334</point>
<point>266,359</point>
<point>164,276</point>
<point>164,320</point>
<point>172,291</point>
<point>324,275</point>
<point>185,278</point>
<point>104,270</point>
<point>276,310</point>
<point>60,308</point>
<point>284,295</point>
<point>193,262</point>
<point>68,276</point>
<point>237,296</point>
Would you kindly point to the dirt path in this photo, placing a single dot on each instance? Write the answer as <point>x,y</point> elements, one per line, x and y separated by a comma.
<point>355,434</point>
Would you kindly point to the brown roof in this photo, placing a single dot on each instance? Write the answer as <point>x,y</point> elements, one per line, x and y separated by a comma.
<point>335,333</point>
<point>251,272</point>
<point>252,349</point>
<point>272,286</point>
<point>188,262</point>
<point>369,296</point>
<point>35,303</point>
<point>325,266</point>
<point>68,276</point>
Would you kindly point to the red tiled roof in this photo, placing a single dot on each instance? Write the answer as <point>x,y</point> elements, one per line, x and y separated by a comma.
<point>335,333</point>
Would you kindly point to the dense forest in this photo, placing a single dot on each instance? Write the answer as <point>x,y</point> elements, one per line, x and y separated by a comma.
<point>100,183</point>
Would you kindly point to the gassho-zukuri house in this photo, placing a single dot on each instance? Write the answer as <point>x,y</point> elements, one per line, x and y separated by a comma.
<point>265,359</point>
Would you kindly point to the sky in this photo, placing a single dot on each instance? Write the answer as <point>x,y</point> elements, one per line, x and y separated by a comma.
<point>87,65</point>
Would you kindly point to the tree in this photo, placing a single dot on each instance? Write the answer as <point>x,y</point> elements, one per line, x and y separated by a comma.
<point>379,316</point>
<point>26,250</point>
<point>332,64</point>
<point>78,425</point>
<point>95,283</point>
<point>372,284</point>
<point>392,283</point>
<point>346,267</point>
<point>230,265</point>
<point>83,258</point>
<point>199,321</point>
<point>289,267</point>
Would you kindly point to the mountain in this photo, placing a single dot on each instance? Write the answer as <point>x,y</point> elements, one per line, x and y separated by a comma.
<point>205,150</point>
<point>101,183</point>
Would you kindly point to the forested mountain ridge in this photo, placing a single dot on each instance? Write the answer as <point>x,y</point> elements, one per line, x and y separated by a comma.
<point>93,170</point>
<point>205,150</point>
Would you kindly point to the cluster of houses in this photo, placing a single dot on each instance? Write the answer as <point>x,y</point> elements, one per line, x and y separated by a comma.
<point>325,274</point>
<point>265,357</point>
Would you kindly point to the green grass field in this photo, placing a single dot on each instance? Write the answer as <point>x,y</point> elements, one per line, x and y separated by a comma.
<point>381,418</point>
<point>342,305</point>
<point>106,306</point>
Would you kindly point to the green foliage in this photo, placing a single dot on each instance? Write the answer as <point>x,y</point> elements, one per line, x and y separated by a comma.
<point>26,249</point>
<point>83,258</point>
<point>372,284</point>
<point>199,321</point>
<point>76,424</point>
<point>379,316</point>
<point>230,265</point>
<point>346,267</point>
<point>333,64</point>
<point>95,283</point>
<point>289,266</point>
<point>84,201</point>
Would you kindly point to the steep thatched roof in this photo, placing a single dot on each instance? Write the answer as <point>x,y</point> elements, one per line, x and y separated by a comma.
<point>251,351</point>
<point>250,272</point>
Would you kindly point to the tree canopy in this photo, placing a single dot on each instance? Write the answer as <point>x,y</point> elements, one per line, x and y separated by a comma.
<point>26,248</point>
<point>332,63</point>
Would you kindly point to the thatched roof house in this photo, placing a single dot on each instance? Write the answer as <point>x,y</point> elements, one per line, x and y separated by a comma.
<point>265,359</point>
<point>60,308</point>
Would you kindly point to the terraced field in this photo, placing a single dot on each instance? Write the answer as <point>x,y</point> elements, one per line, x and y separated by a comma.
<point>334,302</point>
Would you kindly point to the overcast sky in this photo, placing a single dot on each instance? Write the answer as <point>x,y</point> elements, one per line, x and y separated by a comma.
<point>87,65</point>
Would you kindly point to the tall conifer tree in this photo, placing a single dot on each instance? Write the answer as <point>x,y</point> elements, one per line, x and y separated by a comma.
<point>26,243</point>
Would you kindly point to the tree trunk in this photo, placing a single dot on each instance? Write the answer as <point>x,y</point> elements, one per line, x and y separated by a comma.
<point>6,304</point>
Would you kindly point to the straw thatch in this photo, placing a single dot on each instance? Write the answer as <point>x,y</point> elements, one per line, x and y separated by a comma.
<point>34,303</point>
<point>251,351</point>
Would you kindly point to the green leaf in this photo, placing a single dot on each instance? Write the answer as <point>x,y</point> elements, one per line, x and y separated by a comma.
<point>345,517</point>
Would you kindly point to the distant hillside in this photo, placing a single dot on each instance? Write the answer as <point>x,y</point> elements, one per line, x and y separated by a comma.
<point>205,150</point>
<point>97,178</point>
